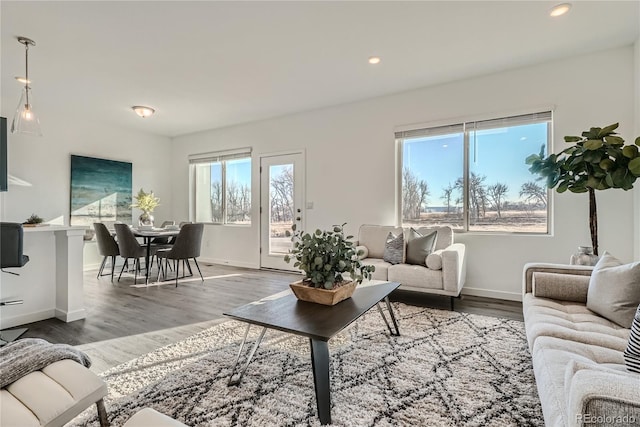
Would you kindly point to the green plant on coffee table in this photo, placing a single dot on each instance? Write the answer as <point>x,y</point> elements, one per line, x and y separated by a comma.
<point>325,256</point>
<point>146,202</point>
<point>34,219</point>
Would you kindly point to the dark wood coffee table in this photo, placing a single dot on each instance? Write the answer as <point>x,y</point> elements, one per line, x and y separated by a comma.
<point>317,322</point>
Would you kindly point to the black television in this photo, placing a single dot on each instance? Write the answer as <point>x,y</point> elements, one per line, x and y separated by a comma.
<point>4,177</point>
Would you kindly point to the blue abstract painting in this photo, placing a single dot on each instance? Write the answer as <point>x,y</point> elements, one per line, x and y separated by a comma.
<point>100,190</point>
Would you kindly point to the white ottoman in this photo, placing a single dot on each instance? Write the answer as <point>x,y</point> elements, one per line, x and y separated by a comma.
<point>52,397</point>
<point>148,417</point>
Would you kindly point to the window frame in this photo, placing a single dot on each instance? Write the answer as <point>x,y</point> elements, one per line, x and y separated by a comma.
<point>468,125</point>
<point>221,157</point>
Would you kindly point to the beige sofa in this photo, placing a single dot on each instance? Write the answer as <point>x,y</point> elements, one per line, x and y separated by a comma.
<point>448,268</point>
<point>577,355</point>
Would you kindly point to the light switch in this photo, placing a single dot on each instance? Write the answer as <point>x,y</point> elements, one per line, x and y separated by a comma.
<point>309,205</point>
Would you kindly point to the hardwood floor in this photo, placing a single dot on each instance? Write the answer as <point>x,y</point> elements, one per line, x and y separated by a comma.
<point>124,321</point>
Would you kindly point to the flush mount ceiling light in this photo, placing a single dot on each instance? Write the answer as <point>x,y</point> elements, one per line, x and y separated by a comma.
<point>143,111</point>
<point>560,9</point>
<point>25,120</point>
<point>374,60</point>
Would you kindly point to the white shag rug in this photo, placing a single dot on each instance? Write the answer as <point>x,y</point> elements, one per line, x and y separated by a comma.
<point>446,369</point>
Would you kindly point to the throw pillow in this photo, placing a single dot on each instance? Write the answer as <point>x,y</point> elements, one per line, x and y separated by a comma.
<point>614,290</point>
<point>420,246</point>
<point>434,260</point>
<point>394,248</point>
<point>632,353</point>
<point>363,251</point>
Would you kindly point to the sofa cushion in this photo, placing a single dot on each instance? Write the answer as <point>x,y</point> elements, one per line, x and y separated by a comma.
<point>445,235</point>
<point>415,276</point>
<point>614,290</point>
<point>54,395</point>
<point>632,352</point>
<point>149,417</point>
<point>570,321</point>
<point>551,359</point>
<point>394,248</point>
<point>381,266</point>
<point>564,287</point>
<point>419,246</point>
<point>374,238</point>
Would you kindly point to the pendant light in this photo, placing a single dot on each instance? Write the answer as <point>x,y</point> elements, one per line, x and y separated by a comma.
<point>25,120</point>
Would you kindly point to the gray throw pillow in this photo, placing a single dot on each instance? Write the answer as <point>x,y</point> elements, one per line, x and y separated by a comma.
<point>394,248</point>
<point>420,246</point>
<point>614,290</point>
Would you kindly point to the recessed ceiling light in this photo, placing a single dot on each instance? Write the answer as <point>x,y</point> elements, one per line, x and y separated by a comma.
<point>22,79</point>
<point>560,9</point>
<point>374,60</point>
<point>143,111</point>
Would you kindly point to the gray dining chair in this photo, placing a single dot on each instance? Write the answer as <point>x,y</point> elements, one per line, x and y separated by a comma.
<point>130,248</point>
<point>187,246</point>
<point>107,247</point>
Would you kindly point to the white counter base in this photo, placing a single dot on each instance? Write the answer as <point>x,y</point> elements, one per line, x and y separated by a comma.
<point>50,284</point>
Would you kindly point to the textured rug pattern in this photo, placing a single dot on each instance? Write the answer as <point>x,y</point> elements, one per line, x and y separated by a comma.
<point>446,369</point>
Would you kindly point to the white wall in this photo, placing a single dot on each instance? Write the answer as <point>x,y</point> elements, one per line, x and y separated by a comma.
<point>45,163</point>
<point>351,167</point>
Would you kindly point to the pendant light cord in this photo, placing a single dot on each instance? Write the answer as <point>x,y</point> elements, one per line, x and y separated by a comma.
<point>26,70</point>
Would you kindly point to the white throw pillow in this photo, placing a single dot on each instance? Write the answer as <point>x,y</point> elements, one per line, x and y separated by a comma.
<point>434,260</point>
<point>614,290</point>
<point>365,251</point>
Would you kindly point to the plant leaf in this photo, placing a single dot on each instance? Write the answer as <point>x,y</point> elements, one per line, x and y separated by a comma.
<point>592,144</point>
<point>630,151</point>
<point>614,140</point>
<point>572,139</point>
<point>607,130</point>
<point>634,166</point>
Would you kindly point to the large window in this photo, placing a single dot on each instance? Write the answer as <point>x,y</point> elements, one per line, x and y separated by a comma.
<point>473,177</point>
<point>221,187</point>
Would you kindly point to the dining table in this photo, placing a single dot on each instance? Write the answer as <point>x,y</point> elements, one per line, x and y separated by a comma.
<point>148,235</point>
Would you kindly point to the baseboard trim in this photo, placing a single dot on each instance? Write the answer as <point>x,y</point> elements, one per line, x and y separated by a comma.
<point>229,262</point>
<point>88,267</point>
<point>488,293</point>
<point>70,316</point>
<point>22,319</point>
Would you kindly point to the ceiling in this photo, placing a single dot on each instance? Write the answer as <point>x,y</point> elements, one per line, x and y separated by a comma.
<point>206,64</point>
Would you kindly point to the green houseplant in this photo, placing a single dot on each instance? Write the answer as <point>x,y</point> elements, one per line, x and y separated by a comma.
<point>33,220</point>
<point>326,257</point>
<point>146,202</point>
<point>597,160</point>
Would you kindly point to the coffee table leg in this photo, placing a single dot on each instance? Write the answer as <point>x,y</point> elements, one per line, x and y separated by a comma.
<point>393,317</point>
<point>320,365</point>
<point>249,357</point>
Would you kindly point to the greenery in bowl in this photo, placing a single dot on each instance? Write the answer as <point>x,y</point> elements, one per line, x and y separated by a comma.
<point>146,202</point>
<point>34,219</point>
<point>325,256</point>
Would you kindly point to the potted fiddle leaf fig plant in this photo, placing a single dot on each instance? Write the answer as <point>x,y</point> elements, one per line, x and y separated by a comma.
<point>597,160</point>
<point>326,258</point>
<point>146,202</point>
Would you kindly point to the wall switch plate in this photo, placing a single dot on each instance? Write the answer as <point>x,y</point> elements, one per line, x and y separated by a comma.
<point>309,205</point>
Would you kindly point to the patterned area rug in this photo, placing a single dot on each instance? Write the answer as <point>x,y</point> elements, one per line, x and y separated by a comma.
<point>446,369</point>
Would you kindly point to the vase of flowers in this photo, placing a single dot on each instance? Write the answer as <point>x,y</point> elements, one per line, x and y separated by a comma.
<point>146,202</point>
